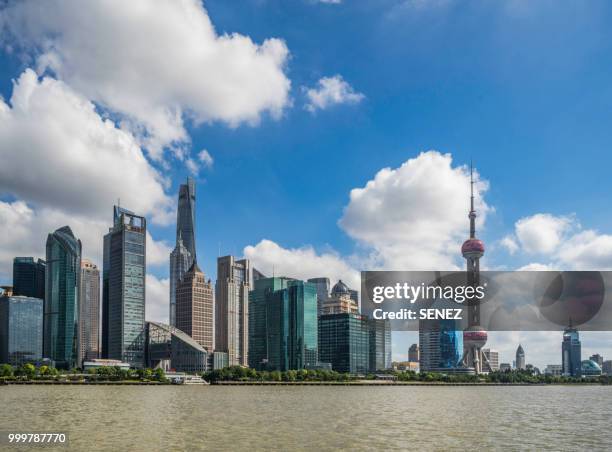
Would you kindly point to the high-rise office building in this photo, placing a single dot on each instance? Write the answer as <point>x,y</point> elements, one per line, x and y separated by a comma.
<point>520,358</point>
<point>194,307</point>
<point>339,301</point>
<point>21,329</point>
<point>571,352</point>
<point>180,261</point>
<point>380,344</point>
<point>323,286</point>
<point>184,254</point>
<point>232,309</point>
<point>89,312</point>
<point>29,277</point>
<point>123,288</point>
<point>344,341</point>
<point>61,304</point>
<point>440,346</point>
<point>413,353</point>
<point>283,326</point>
<point>606,367</point>
<point>492,360</point>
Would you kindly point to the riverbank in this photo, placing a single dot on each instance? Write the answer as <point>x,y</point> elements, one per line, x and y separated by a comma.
<point>80,383</point>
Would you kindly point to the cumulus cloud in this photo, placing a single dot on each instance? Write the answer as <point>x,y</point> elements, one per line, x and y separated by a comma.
<point>157,298</point>
<point>331,91</point>
<point>25,229</point>
<point>509,243</point>
<point>542,233</point>
<point>172,64</point>
<point>302,263</point>
<point>205,158</point>
<point>415,216</point>
<point>58,152</point>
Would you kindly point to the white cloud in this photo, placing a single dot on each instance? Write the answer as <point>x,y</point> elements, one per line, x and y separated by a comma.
<point>330,2</point>
<point>536,267</point>
<point>415,216</point>
<point>157,298</point>
<point>154,63</point>
<point>331,91</point>
<point>25,229</point>
<point>206,159</point>
<point>509,243</point>
<point>302,263</point>
<point>586,250</point>
<point>57,152</point>
<point>542,233</point>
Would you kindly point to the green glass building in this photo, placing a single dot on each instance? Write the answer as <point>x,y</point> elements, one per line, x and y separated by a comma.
<point>60,318</point>
<point>344,341</point>
<point>283,333</point>
<point>29,277</point>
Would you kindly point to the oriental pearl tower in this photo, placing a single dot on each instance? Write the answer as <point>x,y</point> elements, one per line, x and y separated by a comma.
<point>474,336</point>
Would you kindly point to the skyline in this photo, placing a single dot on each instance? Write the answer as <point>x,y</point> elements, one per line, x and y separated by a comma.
<point>298,189</point>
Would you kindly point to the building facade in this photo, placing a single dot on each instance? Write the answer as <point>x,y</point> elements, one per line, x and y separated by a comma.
<point>180,261</point>
<point>323,287</point>
<point>89,312</point>
<point>232,309</point>
<point>171,349</point>
<point>123,288</point>
<point>597,358</point>
<point>344,342</point>
<point>606,367</point>
<point>283,330</point>
<point>194,307</point>
<point>413,353</point>
<point>571,353</point>
<point>492,360</point>
<point>440,345</point>
<point>339,301</point>
<point>29,277</point>
<point>21,329</point>
<point>519,362</point>
<point>380,345</point>
<point>61,303</point>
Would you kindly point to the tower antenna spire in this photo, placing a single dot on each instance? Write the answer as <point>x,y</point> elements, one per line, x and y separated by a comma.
<point>472,214</point>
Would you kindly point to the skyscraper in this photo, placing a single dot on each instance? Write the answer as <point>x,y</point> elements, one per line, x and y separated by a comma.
<point>184,254</point>
<point>21,329</point>
<point>440,346</point>
<point>194,307</point>
<point>283,324</point>
<point>474,336</point>
<point>344,341</point>
<point>29,277</point>
<point>323,286</point>
<point>413,353</point>
<point>61,306</point>
<point>89,312</point>
<point>571,352</point>
<point>232,309</point>
<point>597,358</point>
<point>380,344</point>
<point>520,358</point>
<point>123,288</point>
<point>180,261</point>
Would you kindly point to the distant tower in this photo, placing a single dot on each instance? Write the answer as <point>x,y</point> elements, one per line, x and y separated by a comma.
<point>474,336</point>
<point>520,358</point>
<point>194,307</point>
<point>184,255</point>
<point>89,312</point>
<point>571,352</point>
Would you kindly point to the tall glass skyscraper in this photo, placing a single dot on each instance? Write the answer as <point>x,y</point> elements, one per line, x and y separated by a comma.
<point>344,341</point>
<point>89,313</point>
<point>283,333</point>
<point>440,346</point>
<point>123,288</point>
<point>232,309</point>
<point>571,352</point>
<point>61,306</point>
<point>323,287</point>
<point>29,277</point>
<point>184,254</point>
<point>21,329</point>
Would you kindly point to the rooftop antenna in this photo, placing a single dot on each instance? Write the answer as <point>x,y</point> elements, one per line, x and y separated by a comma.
<point>472,214</point>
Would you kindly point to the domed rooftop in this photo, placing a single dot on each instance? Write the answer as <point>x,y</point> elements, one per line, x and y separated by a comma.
<point>340,289</point>
<point>473,246</point>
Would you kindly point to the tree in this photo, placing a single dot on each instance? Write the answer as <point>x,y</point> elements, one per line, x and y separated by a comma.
<point>6,370</point>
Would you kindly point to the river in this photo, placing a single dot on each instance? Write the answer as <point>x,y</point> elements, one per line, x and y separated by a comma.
<point>125,418</point>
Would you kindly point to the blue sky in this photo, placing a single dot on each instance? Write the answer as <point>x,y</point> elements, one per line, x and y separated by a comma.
<point>522,88</point>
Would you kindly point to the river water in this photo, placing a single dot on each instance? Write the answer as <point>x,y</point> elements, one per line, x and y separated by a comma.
<point>125,418</point>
